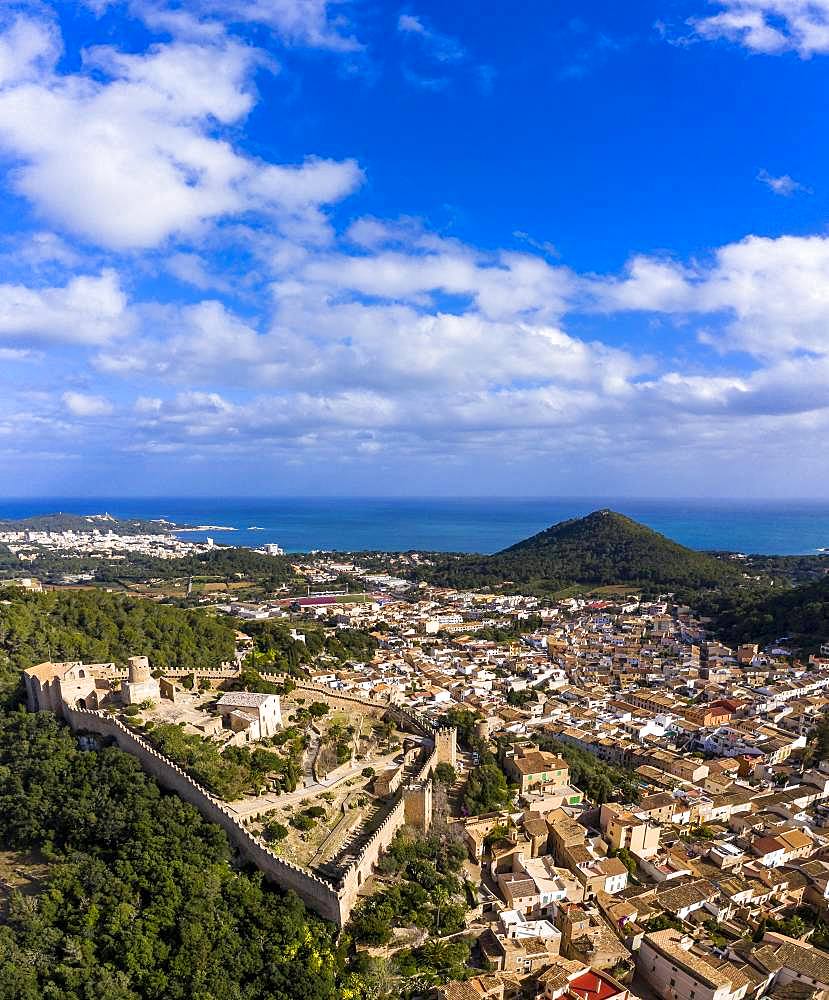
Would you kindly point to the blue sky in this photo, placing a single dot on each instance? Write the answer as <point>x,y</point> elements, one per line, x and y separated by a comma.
<point>357,247</point>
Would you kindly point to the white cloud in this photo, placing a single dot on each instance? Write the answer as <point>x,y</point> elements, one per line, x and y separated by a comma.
<point>15,354</point>
<point>79,404</point>
<point>441,47</point>
<point>770,26</point>
<point>135,159</point>
<point>393,341</point>
<point>28,48</point>
<point>649,284</point>
<point>300,22</point>
<point>319,346</point>
<point>88,310</point>
<point>784,185</point>
<point>310,23</point>
<point>774,293</point>
<point>193,270</point>
<point>505,285</point>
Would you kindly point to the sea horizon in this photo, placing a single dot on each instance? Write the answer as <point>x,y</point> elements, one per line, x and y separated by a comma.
<point>453,523</point>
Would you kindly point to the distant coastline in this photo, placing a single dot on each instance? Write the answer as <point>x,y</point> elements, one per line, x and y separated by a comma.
<point>454,524</point>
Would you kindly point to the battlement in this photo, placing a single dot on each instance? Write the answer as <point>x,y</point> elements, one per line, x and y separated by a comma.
<point>319,895</point>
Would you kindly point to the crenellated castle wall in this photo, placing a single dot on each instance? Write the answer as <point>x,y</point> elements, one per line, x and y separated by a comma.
<point>333,902</point>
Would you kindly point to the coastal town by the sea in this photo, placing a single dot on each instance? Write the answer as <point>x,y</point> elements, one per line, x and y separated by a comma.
<point>588,795</point>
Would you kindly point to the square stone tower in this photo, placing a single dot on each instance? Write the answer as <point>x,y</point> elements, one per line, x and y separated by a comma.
<point>446,743</point>
<point>418,805</point>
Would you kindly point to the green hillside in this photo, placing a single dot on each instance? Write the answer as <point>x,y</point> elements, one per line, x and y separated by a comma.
<point>601,549</point>
<point>99,627</point>
<point>86,522</point>
<point>762,615</point>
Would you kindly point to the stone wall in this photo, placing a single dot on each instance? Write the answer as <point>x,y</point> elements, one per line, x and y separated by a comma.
<point>379,842</point>
<point>316,893</point>
<point>382,836</point>
<point>226,670</point>
<point>329,901</point>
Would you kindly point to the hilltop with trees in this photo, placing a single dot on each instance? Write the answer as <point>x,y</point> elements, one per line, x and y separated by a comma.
<point>99,627</point>
<point>602,549</point>
<point>764,613</point>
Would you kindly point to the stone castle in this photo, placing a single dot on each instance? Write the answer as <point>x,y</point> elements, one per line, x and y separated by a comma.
<point>78,692</point>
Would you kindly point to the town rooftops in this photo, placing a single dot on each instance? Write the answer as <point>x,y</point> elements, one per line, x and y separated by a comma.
<point>787,953</point>
<point>477,988</point>
<point>539,762</point>
<point>669,943</point>
<point>593,985</point>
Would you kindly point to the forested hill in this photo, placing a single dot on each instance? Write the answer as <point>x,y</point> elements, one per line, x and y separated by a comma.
<point>600,549</point>
<point>762,615</point>
<point>140,900</point>
<point>99,627</point>
<point>86,522</point>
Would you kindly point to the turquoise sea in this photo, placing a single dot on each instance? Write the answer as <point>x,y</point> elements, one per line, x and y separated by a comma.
<point>459,525</point>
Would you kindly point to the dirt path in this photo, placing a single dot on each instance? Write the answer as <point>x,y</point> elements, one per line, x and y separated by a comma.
<point>256,804</point>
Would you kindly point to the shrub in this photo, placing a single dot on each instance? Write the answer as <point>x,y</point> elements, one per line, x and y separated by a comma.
<point>445,774</point>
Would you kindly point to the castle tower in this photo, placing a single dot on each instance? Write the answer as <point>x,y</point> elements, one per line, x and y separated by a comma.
<point>140,684</point>
<point>446,744</point>
<point>417,801</point>
<point>139,669</point>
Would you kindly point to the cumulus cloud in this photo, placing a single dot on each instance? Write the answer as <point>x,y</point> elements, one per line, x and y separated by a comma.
<point>388,348</point>
<point>774,293</point>
<point>28,48</point>
<point>502,285</point>
<point>770,26</point>
<point>386,340</point>
<point>134,158</point>
<point>87,310</point>
<point>359,341</point>
<point>80,404</point>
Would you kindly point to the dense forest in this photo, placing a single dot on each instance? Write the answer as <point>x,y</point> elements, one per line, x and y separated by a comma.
<point>786,569</point>
<point>99,627</point>
<point>604,548</point>
<point>141,901</point>
<point>763,614</point>
<point>276,651</point>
